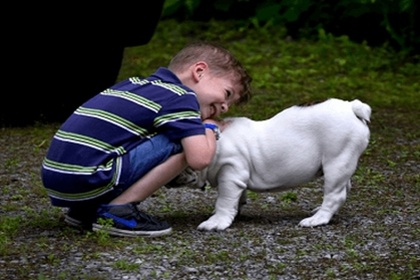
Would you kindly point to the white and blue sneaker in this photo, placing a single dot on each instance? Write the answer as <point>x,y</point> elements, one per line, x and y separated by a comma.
<point>128,220</point>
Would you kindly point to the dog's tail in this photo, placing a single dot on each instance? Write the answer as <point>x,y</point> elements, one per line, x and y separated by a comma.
<point>361,110</point>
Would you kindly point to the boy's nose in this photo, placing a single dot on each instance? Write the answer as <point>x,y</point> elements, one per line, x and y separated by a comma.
<point>224,107</point>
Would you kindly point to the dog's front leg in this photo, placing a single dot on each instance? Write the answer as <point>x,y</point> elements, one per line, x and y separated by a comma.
<point>226,209</point>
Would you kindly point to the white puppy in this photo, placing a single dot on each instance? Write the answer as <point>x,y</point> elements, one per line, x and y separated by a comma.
<point>285,151</point>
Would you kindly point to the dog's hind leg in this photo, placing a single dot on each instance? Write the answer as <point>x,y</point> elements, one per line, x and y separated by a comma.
<point>337,183</point>
<point>348,187</point>
<point>332,202</point>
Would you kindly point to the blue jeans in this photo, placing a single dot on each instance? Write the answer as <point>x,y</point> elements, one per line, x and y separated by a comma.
<point>150,154</point>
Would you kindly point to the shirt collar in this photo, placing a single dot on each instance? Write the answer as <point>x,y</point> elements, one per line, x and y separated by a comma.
<point>166,75</point>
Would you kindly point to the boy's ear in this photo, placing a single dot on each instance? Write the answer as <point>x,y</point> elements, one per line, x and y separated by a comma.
<point>199,69</point>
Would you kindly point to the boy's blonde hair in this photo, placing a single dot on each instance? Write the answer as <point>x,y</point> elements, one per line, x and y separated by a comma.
<point>221,63</point>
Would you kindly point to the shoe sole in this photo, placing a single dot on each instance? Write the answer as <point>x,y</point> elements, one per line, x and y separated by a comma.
<point>130,233</point>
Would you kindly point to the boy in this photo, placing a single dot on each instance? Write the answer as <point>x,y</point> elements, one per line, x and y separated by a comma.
<point>123,144</point>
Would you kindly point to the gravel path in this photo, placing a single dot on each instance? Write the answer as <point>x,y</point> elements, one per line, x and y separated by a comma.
<point>374,236</point>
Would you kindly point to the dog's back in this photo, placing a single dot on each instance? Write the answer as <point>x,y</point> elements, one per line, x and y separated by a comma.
<point>332,109</point>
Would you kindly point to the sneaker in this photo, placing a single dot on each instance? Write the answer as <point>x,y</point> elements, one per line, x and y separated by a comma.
<point>128,220</point>
<point>80,217</point>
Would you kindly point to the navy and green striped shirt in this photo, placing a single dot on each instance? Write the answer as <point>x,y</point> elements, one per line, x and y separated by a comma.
<point>89,153</point>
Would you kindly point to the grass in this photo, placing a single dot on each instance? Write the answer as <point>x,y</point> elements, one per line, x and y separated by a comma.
<point>375,235</point>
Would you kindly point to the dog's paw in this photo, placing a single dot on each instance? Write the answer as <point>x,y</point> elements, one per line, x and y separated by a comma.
<point>322,217</point>
<point>215,223</point>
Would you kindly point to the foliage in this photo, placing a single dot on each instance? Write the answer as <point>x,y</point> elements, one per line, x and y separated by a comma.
<point>377,22</point>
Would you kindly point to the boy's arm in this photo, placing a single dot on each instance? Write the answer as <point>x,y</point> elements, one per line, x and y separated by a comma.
<point>199,149</point>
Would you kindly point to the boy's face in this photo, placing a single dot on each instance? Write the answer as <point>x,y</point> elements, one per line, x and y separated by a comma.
<point>215,95</point>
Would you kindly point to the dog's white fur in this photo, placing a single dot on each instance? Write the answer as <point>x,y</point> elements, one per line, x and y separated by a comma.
<point>291,148</point>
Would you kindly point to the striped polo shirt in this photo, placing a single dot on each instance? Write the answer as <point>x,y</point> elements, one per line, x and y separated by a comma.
<point>89,153</point>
